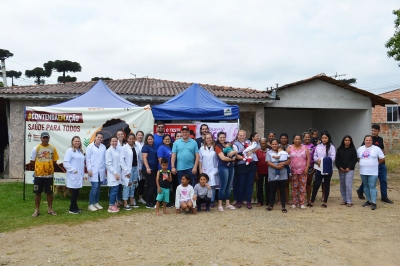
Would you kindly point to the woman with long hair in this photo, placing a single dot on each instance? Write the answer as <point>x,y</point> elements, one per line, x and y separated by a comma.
<point>142,180</point>
<point>149,169</point>
<point>345,161</point>
<point>209,163</point>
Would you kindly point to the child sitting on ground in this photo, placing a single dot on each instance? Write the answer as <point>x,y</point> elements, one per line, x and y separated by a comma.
<point>282,156</point>
<point>203,192</point>
<point>163,182</point>
<point>184,198</point>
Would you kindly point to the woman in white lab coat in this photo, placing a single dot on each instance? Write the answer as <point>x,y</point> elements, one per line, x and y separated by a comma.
<point>209,163</point>
<point>74,164</point>
<point>96,168</point>
<point>113,173</point>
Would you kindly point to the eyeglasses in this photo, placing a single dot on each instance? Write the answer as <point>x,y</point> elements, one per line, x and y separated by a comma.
<point>161,127</point>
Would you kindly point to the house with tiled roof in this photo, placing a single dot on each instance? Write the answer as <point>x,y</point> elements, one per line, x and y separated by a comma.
<point>320,102</point>
<point>388,117</point>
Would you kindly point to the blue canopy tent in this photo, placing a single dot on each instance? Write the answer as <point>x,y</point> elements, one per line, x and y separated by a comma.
<point>195,103</point>
<point>98,96</point>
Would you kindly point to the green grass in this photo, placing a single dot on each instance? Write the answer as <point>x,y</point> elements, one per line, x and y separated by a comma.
<point>16,213</point>
<point>393,163</point>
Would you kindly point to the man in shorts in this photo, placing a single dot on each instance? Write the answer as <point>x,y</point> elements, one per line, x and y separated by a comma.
<point>43,160</point>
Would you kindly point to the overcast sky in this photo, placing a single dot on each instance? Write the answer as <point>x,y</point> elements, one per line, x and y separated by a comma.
<point>231,43</point>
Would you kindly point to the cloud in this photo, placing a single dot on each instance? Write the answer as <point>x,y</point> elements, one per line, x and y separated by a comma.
<point>233,43</point>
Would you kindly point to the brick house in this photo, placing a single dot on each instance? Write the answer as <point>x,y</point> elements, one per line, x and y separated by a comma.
<point>389,120</point>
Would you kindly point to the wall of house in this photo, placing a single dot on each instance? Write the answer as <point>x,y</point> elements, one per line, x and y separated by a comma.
<point>250,113</point>
<point>320,94</point>
<point>289,121</point>
<point>16,163</point>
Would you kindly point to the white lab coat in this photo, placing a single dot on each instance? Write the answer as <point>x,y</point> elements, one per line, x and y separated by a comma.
<point>126,157</point>
<point>113,166</point>
<point>74,162</point>
<point>96,162</point>
<point>209,163</point>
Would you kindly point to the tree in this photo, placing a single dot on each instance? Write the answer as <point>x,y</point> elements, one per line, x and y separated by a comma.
<point>393,44</point>
<point>348,81</point>
<point>4,54</point>
<point>1,84</point>
<point>68,78</point>
<point>38,73</point>
<point>13,74</point>
<point>63,66</point>
<point>97,78</point>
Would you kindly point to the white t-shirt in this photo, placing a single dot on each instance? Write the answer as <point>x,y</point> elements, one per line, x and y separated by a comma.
<point>369,164</point>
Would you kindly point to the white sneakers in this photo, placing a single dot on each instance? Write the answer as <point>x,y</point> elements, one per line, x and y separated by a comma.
<point>142,201</point>
<point>97,206</point>
<point>92,208</point>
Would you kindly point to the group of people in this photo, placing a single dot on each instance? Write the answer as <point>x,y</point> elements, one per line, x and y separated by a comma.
<point>196,174</point>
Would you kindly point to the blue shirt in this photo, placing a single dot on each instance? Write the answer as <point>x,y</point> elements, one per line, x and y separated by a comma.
<point>157,141</point>
<point>152,159</point>
<point>185,153</point>
<point>164,152</point>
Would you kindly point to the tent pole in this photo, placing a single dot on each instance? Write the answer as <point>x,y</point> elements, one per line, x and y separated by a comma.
<point>23,161</point>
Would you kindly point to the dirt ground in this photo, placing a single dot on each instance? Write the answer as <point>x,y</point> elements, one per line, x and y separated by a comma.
<point>338,235</point>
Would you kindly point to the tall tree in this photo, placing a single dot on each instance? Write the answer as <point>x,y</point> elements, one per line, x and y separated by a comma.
<point>38,73</point>
<point>4,54</point>
<point>63,66</point>
<point>97,78</point>
<point>1,84</point>
<point>68,78</point>
<point>393,44</point>
<point>13,75</point>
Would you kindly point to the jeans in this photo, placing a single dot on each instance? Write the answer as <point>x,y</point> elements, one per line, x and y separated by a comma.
<point>193,177</point>
<point>317,184</point>
<point>346,185</point>
<point>245,186</point>
<point>213,193</point>
<point>113,195</point>
<point>370,191</point>
<point>94,195</point>
<point>129,191</point>
<point>382,176</point>
<point>226,174</point>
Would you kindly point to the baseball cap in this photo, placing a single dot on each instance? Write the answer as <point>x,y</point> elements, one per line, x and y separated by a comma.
<point>45,134</point>
<point>185,128</point>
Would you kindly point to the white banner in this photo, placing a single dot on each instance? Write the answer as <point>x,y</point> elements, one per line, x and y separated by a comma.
<point>230,129</point>
<point>64,123</point>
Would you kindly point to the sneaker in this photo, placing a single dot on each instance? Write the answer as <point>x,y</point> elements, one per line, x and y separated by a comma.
<point>373,207</point>
<point>80,210</point>
<point>248,205</point>
<point>150,206</point>
<point>212,205</point>
<point>303,207</point>
<point>367,203</point>
<point>98,206</point>
<point>74,211</point>
<point>231,207</point>
<point>134,205</point>
<point>293,206</point>
<point>360,195</point>
<point>142,201</point>
<point>387,200</point>
<point>113,209</point>
<point>239,205</point>
<point>127,208</point>
<point>220,208</point>
<point>92,208</point>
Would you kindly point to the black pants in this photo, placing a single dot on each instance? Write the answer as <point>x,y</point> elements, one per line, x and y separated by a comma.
<point>140,189</point>
<point>317,184</point>
<point>151,187</point>
<point>74,199</point>
<point>263,184</point>
<point>174,185</point>
<point>274,185</point>
<point>205,200</point>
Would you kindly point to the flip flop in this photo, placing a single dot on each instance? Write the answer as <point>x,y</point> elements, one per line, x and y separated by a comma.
<point>269,209</point>
<point>349,204</point>
<point>53,213</point>
<point>324,205</point>
<point>343,203</point>
<point>35,214</point>
<point>284,210</point>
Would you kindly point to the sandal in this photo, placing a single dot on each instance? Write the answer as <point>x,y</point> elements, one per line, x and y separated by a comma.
<point>53,213</point>
<point>349,204</point>
<point>259,205</point>
<point>284,210</point>
<point>269,209</point>
<point>343,203</point>
<point>35,214</point>
<point>309,205</point>
<point>324,205</point>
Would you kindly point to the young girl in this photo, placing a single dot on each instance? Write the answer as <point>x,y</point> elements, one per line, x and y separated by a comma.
<point>185,196</point>
<point>163,182</point>
<point>203,192</point>
<point>113,173</point>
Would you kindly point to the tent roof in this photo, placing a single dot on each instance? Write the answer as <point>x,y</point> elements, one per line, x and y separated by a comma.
<point>195,103</point>
<point>98,96</point>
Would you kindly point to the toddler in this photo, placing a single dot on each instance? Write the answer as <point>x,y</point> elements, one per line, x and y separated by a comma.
<point>282,156</point>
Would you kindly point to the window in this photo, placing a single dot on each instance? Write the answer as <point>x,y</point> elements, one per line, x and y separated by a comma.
<point>392,113</point>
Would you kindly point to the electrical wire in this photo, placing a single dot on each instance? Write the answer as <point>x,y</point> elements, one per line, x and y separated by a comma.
<point>30,67</point>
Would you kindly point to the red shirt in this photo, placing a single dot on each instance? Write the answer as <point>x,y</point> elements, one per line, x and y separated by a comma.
<point>262,166</point>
